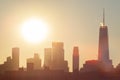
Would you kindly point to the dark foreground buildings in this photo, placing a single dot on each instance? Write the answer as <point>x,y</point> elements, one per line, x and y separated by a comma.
<point>59,75</point>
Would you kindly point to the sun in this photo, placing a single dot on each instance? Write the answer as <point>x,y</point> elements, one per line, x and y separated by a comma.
<point>34,30</point>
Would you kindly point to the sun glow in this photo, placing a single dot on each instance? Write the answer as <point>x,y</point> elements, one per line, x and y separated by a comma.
<point>34,30</point>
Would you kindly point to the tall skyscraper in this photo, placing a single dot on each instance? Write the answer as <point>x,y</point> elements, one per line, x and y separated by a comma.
<point>47,57</point>
<point>103,50</point>
<point>75,59</point>
<point>15,58</point>
<point>58,52</point>
<point>37,62</point>
<point>58,62</point>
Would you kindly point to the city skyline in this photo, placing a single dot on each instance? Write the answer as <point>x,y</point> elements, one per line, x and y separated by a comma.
<point>74,22</point>
<point>54,58</point>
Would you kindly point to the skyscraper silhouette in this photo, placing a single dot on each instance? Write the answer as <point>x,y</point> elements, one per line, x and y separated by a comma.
<point>58,52</point>
<point>75,59</point>
<point>103,50</point>
<point>15,58</point>
<point>58,62</point>
<point>47,57</point>
<point>36,62</point>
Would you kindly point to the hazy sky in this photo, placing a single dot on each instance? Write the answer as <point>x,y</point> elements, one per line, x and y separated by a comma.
<point>74,22</point>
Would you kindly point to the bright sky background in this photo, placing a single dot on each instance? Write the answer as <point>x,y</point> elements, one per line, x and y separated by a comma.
<point>74,22</point>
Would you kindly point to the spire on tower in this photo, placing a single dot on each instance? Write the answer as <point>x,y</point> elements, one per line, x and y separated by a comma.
<point>103,16</point>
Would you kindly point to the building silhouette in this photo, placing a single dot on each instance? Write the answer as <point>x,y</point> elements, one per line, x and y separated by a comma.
<point>30,66</point>
<point>11,63</point>
<point>57,52</point>
<point>58,62</point>
<point>103,50</point>
<point>8,64</point>
<point>75,59</point>
<point>54,57</point>
<point>37,62</point>
<point>47,57</point>
<point>92,66</point>
<point>103,63</point>
<point>34,62</point>
<point>15,58</point>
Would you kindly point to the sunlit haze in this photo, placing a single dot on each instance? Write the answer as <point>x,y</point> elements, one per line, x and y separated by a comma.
<point>74,22</point>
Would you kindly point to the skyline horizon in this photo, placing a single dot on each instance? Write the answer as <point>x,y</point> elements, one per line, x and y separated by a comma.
<point>74,22</point>
<point>65,59</point>
<point>71,54</point>
<point>64,54</point>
